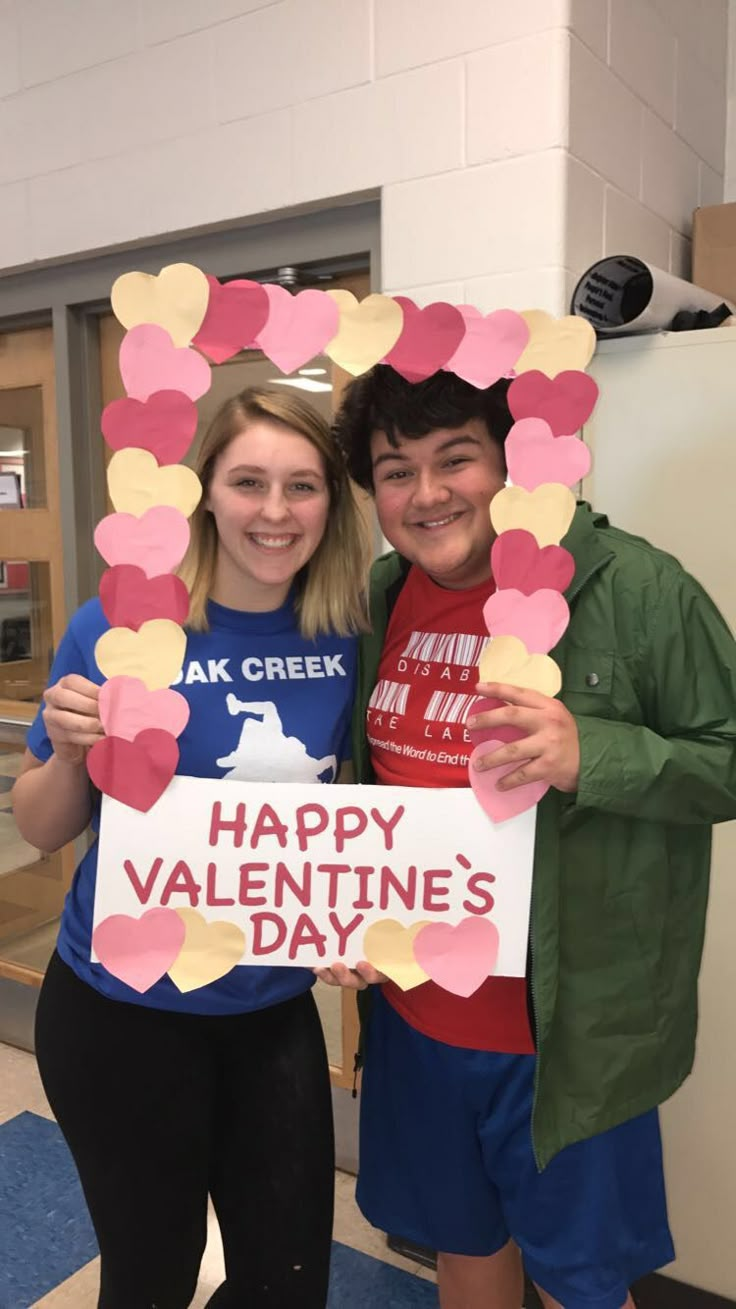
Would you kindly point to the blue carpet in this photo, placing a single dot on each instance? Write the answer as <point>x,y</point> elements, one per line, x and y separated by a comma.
<point>46,1235</point>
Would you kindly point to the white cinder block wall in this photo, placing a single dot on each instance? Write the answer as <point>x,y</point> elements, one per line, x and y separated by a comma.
<point>514,142</point>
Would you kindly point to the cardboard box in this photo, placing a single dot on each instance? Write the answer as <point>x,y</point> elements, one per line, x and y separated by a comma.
<point>714,249</point>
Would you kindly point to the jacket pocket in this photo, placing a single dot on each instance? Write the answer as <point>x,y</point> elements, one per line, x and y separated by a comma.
<point>588,681</point>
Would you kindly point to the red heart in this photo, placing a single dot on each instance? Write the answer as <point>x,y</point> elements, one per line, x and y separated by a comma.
<point>428,339</point>
<point>129,598</point>
<point>518,563</point>
<point>236,312</point>
<point>565,401</point>
<point>165,424</point>
<point>134,772</point>
<point>478,735</point>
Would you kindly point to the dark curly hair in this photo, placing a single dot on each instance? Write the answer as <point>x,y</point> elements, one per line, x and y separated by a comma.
<point>382,400</point>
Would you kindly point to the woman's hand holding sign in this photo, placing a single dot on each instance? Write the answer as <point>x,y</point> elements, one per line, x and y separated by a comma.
<point>549,751</point>
<point>353,979</point>
<point>71,717</point>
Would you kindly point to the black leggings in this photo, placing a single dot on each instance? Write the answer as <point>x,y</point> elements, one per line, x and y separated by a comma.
<point>159,1109</point>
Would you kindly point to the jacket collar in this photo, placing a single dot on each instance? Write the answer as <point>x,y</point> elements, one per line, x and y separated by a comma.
<point>586,545</point>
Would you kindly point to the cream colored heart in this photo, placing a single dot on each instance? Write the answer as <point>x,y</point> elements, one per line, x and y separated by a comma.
<point>175,299</point>
<point>368,330</point>
<point>155,653</point>
<point>209,951</point>
<point>389,946</point>
<point>506,659</point>
<point>546,512</point>
<point>556,344</point>
<point>136,483</point>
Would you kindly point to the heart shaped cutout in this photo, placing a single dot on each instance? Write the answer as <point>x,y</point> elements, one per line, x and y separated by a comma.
<point>459,958</point>
<point>129,598</point>
<point>556,345</point>
<point>539,620</point>
<point>298,326</point>
<point>503,733</point>
<point>139,951</point>
<point>546,512</point>
<point>518,561</point>
<point>429,337</point>
<point>175,299</point>
<point>236,313</point>
<point>501,805</point>
<point>165,424</point>
<point>136,773</point>
<point>137,484</point>
<point>389,946</point>
<point>149,361</point>
<point>367,332</point>
<point>506,659</point>
<point>535,456</point>
<point>127,708</point>
<point>565,401</point>
<point>490,347</point>
<point>210,950</point>
<point>155,542</point>
<point>154,654</point>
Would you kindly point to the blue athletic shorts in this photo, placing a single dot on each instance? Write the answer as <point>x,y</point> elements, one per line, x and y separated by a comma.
<point>446,1161</point>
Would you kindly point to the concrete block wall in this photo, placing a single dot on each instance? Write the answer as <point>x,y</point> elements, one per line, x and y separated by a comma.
<point>512,143</point>
<point>648,101</point>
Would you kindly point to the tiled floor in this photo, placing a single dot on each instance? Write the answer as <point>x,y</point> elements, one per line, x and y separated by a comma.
<point>43,1226</point>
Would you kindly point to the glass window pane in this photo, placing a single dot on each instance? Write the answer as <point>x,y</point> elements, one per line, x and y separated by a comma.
<point>21,442</point>
<point>26,644</point>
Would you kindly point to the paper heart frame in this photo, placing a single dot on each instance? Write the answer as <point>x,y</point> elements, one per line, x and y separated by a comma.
<point>181,320</point>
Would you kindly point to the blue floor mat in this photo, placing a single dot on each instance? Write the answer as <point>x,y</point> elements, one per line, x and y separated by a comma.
<point>46,1234</point>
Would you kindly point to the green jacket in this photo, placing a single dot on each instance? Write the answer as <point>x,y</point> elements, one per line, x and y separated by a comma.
<point>621,868</point>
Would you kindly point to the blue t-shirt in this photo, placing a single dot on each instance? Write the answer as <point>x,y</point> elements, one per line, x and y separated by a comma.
<point>265,705</point>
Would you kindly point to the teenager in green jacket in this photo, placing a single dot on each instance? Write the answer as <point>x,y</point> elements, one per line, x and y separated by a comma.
<point>524,1118</point>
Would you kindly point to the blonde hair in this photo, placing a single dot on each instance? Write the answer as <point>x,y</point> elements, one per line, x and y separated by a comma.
<point>330,589</point>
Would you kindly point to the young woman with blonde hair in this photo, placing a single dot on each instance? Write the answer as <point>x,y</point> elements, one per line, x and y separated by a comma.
<point>166,1098</point>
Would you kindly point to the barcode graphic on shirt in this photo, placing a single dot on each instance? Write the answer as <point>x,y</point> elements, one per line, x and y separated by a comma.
<point>449,707</point>
<point>389,696</point>
<point>445,647</point>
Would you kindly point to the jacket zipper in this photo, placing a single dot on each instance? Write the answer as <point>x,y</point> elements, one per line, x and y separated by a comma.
<point>578,585</point>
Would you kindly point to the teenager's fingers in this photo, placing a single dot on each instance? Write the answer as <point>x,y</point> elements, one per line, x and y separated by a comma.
<point>73,725</point>
<point>346,977</point>
<point>514,752</point>
<point>527,720</point>
<point>532,771</point>
<point>516,695</point>
<point>75,702</point>
<point>326,975</point>
<point>369,974</point>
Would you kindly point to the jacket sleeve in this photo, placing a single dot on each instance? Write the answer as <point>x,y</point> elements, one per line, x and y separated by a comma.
<point>680,766</point>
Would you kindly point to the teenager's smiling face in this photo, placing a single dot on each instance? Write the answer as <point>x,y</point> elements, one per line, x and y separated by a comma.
<point>432,498</point>
<point>270,500</point>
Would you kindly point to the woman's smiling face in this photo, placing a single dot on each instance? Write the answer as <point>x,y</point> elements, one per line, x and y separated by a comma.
<point>270,499</point>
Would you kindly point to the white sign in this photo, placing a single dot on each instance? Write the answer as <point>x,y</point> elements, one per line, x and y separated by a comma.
<point>304,871</point>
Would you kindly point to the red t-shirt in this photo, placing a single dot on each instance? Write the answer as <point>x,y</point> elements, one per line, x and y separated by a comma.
<point>417,736</point>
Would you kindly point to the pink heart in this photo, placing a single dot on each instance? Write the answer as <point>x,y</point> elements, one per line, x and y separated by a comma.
<point>127,707</point>
<point>165,424</point>
<point>490,347</point>
<point>138,951</point>
<point>149,361</point>
<point>298,328</point>
<point>517,560</point>
<point>459,958</point>
<point>428,339</point>
<point>535,456</point>
<point>156,542</point>
<point>565,401</point>
<point>501,805</point>
<point>538,620</point>
<point>236,312</point>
